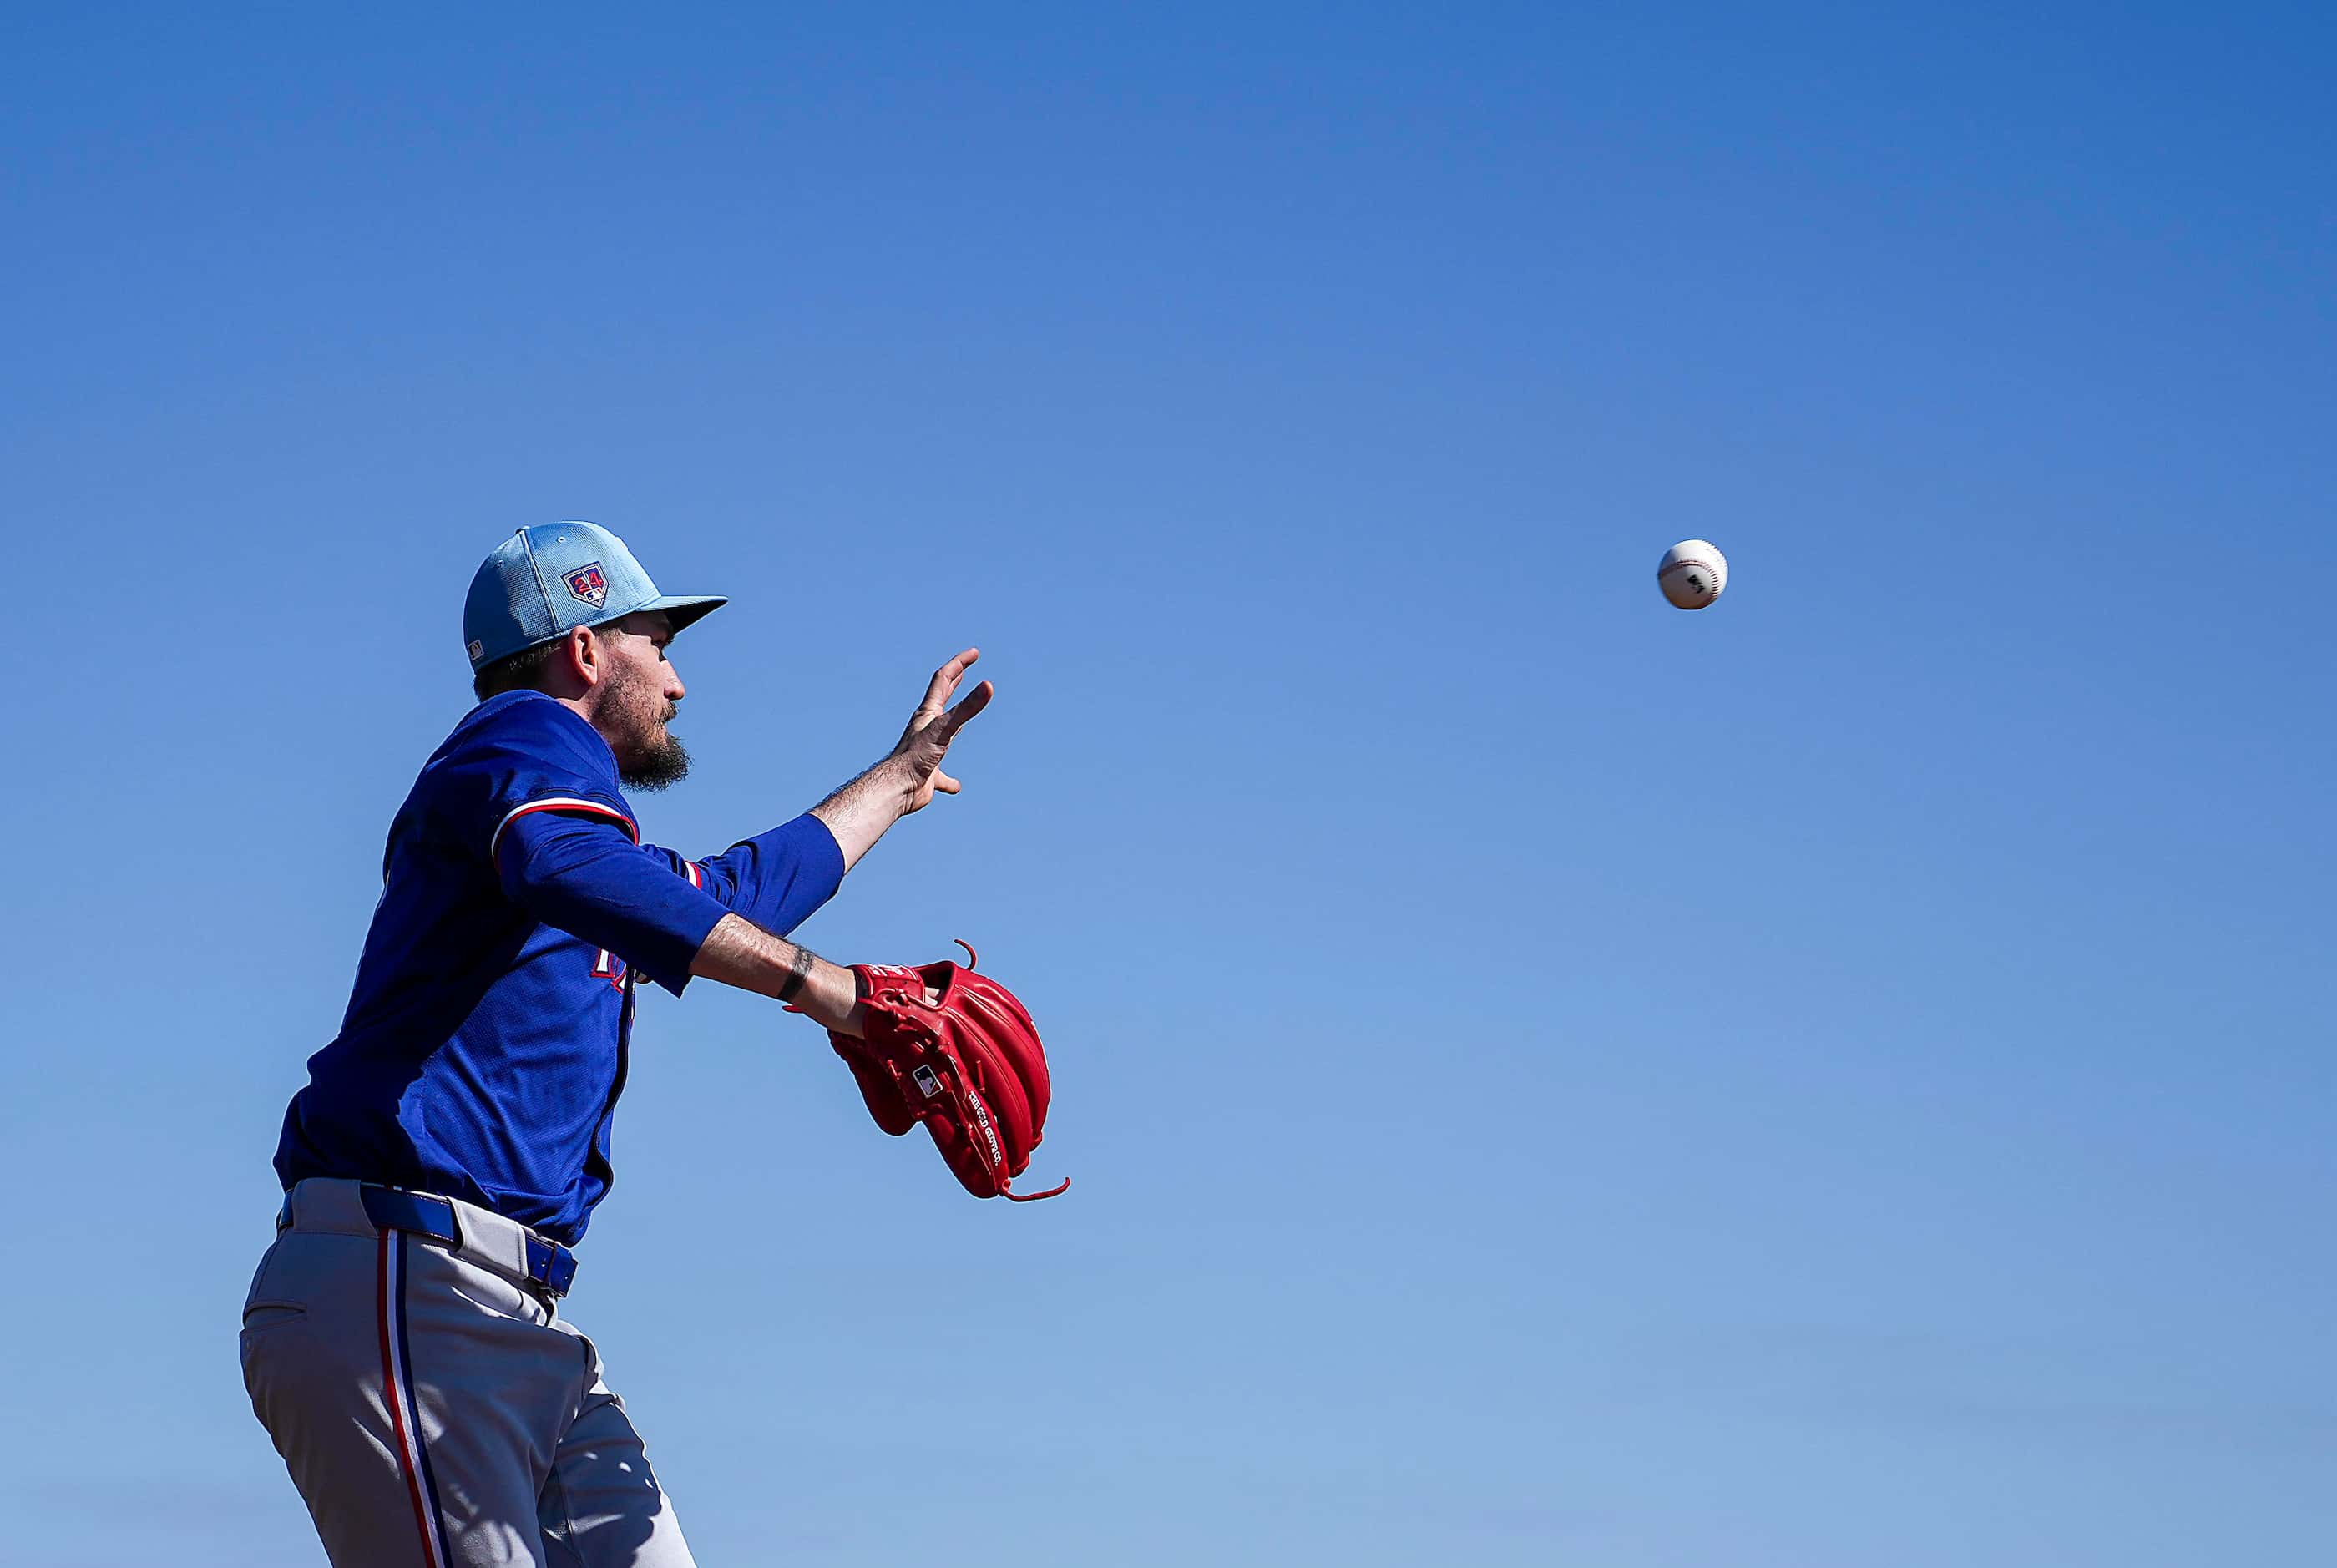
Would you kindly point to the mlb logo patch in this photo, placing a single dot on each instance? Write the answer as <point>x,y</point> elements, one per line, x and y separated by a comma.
<point>590,583</point>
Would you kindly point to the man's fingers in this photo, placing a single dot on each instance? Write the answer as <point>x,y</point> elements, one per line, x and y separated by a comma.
<point>944,728</point>
<point>976,701</point>
<point>946,680</point>
<point>944,784</point>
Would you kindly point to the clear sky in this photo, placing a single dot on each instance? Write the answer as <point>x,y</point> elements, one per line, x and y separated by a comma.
<point>1840,1078</point>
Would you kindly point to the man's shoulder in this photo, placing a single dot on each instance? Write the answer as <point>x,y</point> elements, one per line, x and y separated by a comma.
<point>518,715</point>
<point>511,748</point>
<point>522,724</point>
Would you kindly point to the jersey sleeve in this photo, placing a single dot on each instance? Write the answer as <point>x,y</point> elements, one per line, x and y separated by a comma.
<point>585,877</point>
<point>776,879</point>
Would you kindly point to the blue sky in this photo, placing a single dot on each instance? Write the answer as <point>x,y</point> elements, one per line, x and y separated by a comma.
<point>1841,1078</point>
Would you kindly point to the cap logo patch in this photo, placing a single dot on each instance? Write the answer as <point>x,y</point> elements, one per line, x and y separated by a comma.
<point>589,584</point>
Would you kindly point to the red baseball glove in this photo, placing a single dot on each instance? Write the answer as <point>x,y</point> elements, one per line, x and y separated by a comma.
<point>968,1064</point>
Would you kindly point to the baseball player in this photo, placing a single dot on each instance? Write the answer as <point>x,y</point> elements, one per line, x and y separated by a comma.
<point>402,1341</point>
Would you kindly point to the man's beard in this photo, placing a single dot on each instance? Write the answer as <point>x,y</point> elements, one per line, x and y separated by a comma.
<point>657,761</point>
<point>656,765</point>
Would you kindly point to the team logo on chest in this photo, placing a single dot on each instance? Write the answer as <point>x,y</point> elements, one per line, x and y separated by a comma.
<point>589,584</point>
<point>607,966</point>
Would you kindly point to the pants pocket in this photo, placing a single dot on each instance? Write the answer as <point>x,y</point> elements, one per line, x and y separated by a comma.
<point>258,1316</point>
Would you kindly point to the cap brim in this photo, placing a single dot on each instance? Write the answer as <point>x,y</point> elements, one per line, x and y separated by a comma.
<point>681,608</point>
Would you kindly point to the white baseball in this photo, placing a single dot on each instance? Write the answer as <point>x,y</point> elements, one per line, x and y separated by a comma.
<point>1692,573</point>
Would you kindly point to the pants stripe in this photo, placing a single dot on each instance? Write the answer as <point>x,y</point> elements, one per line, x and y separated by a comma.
<point>398,1393</point>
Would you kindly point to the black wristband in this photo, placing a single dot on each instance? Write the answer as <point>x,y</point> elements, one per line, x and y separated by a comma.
<point>798,971</point>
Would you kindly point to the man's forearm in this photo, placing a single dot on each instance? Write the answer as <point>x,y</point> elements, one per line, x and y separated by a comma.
<point>859,813</point>
<point>738,952</point>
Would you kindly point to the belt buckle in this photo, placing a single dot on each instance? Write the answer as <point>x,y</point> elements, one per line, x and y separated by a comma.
<point>550,1265</point>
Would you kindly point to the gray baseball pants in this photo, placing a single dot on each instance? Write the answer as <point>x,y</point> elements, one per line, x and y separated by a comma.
<point>434,1408</point>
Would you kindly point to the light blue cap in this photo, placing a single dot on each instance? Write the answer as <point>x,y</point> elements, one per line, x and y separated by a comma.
<point>545,581</point>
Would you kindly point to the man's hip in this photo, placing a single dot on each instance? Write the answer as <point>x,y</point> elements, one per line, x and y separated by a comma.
<point>432,1408</point>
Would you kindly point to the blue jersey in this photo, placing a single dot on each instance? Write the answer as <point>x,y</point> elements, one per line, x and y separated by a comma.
<point>484,1044</point>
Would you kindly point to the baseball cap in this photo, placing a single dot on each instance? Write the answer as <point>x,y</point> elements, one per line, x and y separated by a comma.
<point>545,581</point>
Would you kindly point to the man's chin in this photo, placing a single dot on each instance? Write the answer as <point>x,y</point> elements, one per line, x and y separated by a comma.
<point>660,767</point>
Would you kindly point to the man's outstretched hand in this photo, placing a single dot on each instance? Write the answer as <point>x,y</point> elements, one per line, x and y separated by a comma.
<point>911,774</point>
<point>933,726</point>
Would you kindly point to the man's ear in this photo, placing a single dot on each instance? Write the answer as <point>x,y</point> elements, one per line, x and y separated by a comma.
<point>584,657</point>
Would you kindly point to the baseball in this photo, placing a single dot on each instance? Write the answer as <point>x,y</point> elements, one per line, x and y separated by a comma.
<point>1692,573</point>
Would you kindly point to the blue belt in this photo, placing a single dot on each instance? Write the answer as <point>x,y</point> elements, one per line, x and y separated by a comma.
<point>549,1264</point>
